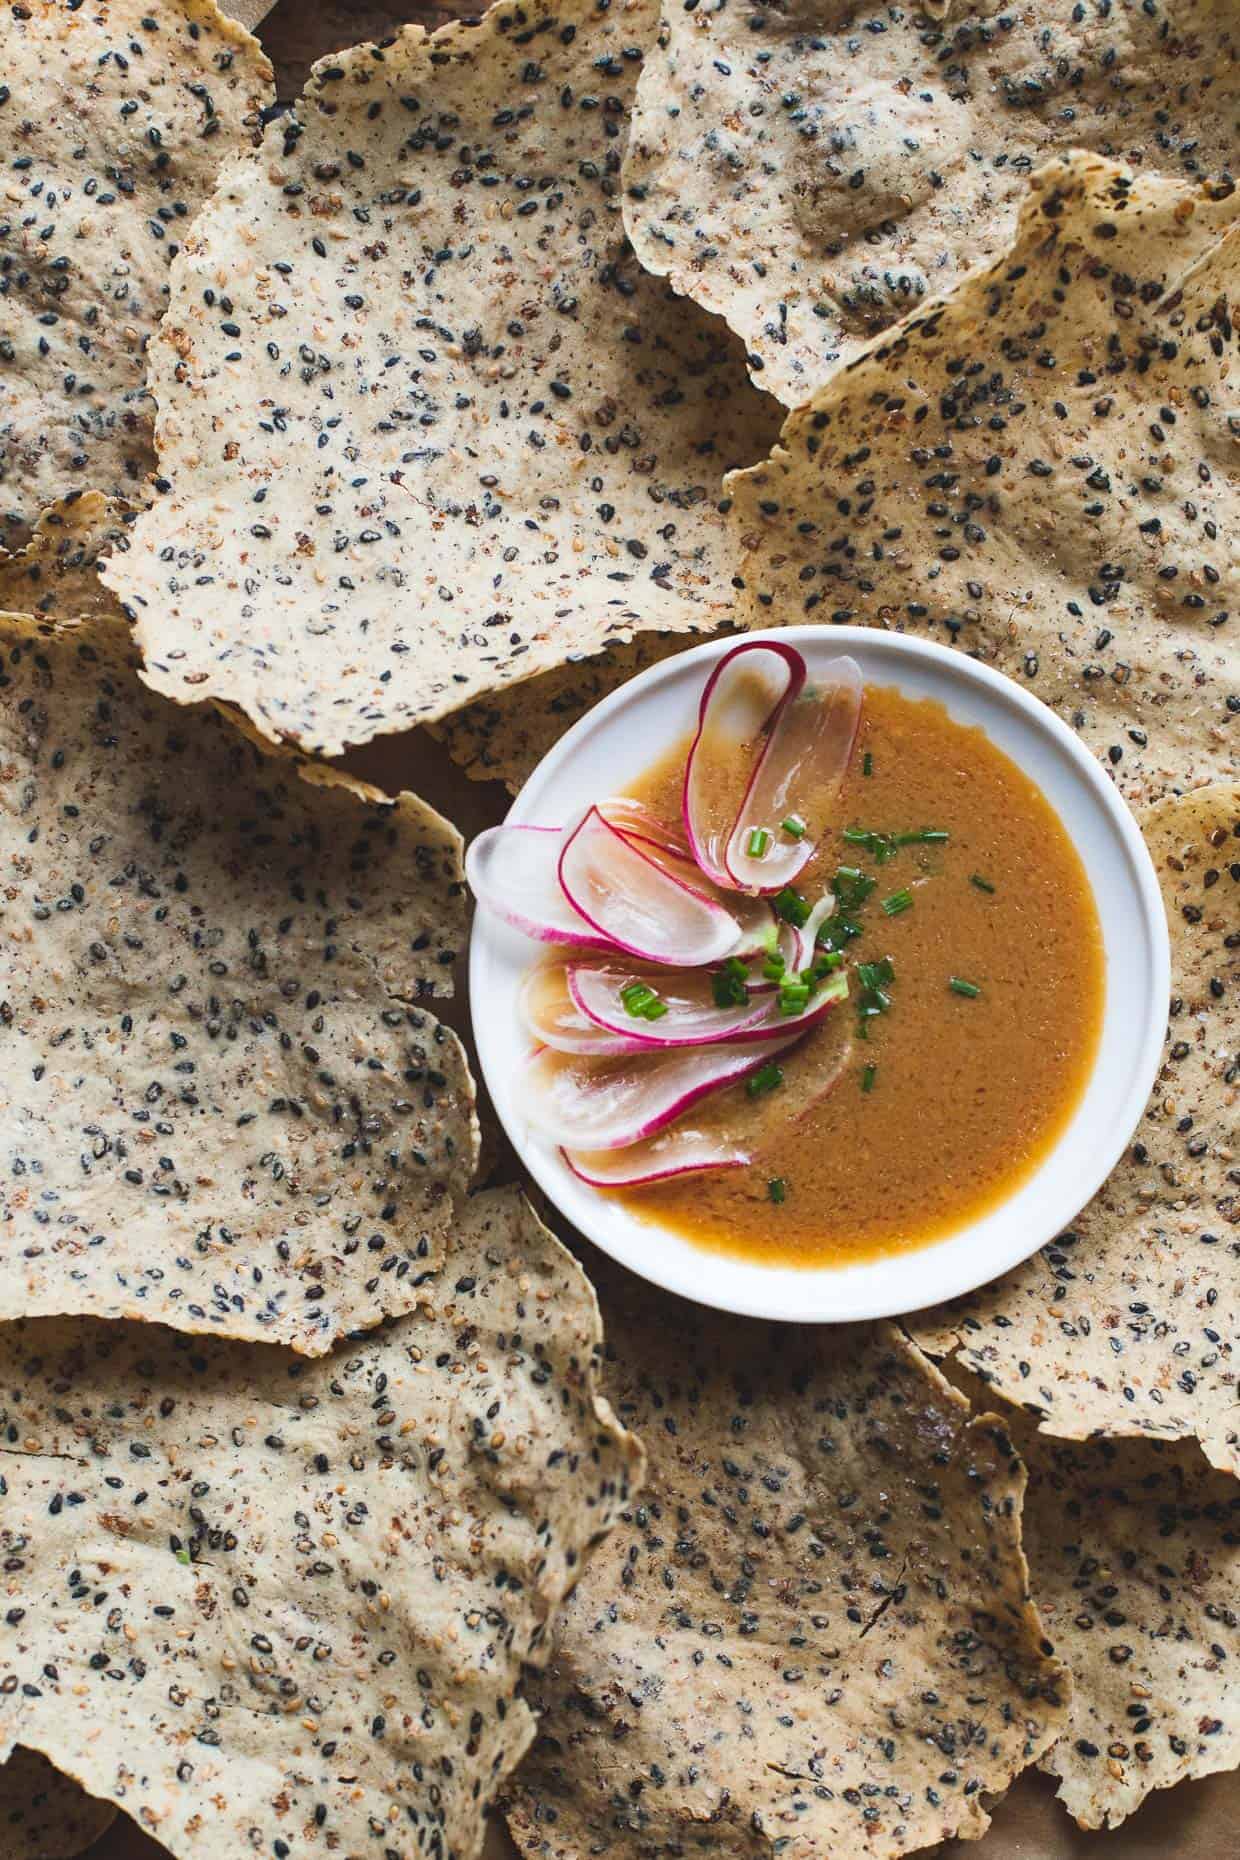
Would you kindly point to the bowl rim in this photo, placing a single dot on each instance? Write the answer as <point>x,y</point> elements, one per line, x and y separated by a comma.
<point>641,1252</point>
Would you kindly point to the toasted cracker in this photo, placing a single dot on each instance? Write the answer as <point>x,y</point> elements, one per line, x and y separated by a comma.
<point>430,429</point>
<point>813,173</point>
<point>1041,470</point>
<point>44,1816</point>
<point>813,1632</point>
<point>1128,1323</point>
<point>56,573</point>
<point>117,118</point>
<point>257,1601</point>
<point>1134,1563</point>
<point>226,1102</point>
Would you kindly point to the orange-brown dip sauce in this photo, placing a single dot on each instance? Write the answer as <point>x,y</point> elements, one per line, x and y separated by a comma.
<point>967,1094</point>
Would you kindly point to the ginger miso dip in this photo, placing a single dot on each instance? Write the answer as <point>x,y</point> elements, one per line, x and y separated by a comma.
<point>974,956</point>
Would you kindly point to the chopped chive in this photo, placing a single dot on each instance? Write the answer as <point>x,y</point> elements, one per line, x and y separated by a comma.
<point>757,843</point>
<point>982,884</point>
<point>793,997</point>
<point>873,999</point>
<point>794,827</point>
<point>959,986</point>
<point>641,1002</point>
<point>791,906</point>
<point>767,1078</point>
<point>777,1189</point>
<point>867,763</point>
<point>924,836</point>
<point>825,963</point>
<point>898,902</point>
<point>868,1076</point>
<point>773,967</point>
<point>730,984</point>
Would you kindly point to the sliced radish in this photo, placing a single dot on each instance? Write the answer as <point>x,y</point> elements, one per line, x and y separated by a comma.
<point>767,762</point>
<point>730,1130</point>
<point>798,778</point>
<point>553,1018</point>
<point>602,1104</point>
<point>637,902</point>
<point>692,1017</point>
<point>514,871</point>
<point>741,704</point>
<point>796,945</point>
<point>681,1150</point>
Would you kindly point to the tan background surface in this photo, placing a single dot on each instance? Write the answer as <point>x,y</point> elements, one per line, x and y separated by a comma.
<point>1199,1821</point>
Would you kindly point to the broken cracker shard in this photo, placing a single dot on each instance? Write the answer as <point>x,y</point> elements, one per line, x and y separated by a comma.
<point>227,1104</point>
<point>813,1627</point>
<point>505,440</point>
<point>121,117</point>
<point>813,177</point>
<point>275,1641</point>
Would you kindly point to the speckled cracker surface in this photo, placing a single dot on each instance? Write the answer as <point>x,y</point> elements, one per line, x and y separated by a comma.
<point>1042,470</point>
<point>1128,1323</point>
<point>429,428</point>
<point>55,574</point>
<point>254,1600</point>
<point>1134,1559</point>
<point>811,172</point>
<point>225,1102</point>
<point>812,1634</point>
<point>115,116</point>
<point>44,1816</point>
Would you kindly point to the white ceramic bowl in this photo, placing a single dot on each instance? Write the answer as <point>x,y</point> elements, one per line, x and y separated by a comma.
<point>610,746</point>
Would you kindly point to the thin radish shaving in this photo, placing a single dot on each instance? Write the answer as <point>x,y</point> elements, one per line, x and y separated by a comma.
<point>797,780</point>
<point>798,944</point>
<point>553,1018</point>
<point>682,1150</point>
<point>741,706</point>
<point>514,872</point>
<point>767,763</point>
<point>604,1104</point>
<point>691,1016</point>
<point>730,1130</point>
<point>637,902</point>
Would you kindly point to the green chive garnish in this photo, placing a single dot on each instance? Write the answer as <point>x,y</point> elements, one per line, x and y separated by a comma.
<point>793,997</point>
<point>874,979</point>
<point>791,906</point>
<point>730,984</point>
<point>757,843</point>
<point>924,836</point>
<point>983,884</point>
<point>794,827</point>
<point>959,986</point>
<point>777,1189</point>
<point>767,1078</point>
<point>641,1002</point>
<point>867,763</point>
<point>868,1076</point>
<point>898,902</point>
<point>773,966</point>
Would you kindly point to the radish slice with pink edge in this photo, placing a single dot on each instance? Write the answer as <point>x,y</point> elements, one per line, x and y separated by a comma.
<point>636,901</point>
<point>797,780</point>
<point>552,1017</point>
<point>692,1017</point>
<point>514,872</point>
<point>740,706</point>
<point>603,1104</point>
<point>729,1131</point>
<point>798,945</point>
<point>766,766</point>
